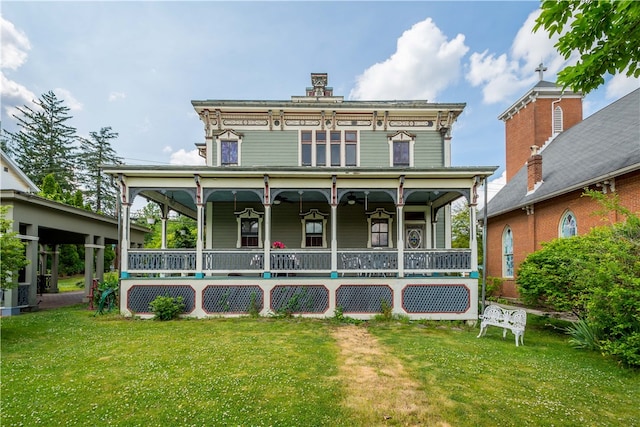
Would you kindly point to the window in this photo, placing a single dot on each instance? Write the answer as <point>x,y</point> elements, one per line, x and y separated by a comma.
<point>336,142</point>
<point>568,226</point>
<point>249,228</point>
<point>401,149</point>
<point>351,147</point>
<point>314,226</point>
<point>307,142</point>
<point>401,153</point>
<point>507,253</point>
<point>557,120</point>
<point>229,152</point>
<point>379,233</point>
<point>380,222</point>
<point>321,148</point>
<point>249,233</point>
<point>313,234</point>
<point>228,148</point>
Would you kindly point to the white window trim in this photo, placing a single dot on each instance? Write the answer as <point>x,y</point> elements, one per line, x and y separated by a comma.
<point>562,220</point>
<point>380,213</point>
<point>313,215</point>
<point>402,136</point>
<point>228,136</point>
<point>504,254</point>
<point>558,120</point>
<point>248,213</point>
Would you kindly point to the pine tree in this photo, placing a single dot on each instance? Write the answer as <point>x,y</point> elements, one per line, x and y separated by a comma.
<point>44,143</point>
<point>95,152</point>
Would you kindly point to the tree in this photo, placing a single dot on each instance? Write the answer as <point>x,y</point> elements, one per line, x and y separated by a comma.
<point>606,35</point>
<point>460,230</point>
<point>95,152</point>
<point>44,143</point>
<point>12,252</point>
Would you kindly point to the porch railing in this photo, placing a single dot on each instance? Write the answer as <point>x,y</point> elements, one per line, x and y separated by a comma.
<point>364,262</point>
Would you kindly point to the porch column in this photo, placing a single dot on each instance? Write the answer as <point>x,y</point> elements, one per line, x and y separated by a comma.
<point>124,242</point>
<point>334,241</point>
<point>199,241</point>
<point>473,241</point>
<point>31,270</point>
<point>163,220</point>
<point>99,259</point>
<point>400,240</point>
<point>267,241</point>
<point>89,246</point>
<point>55,262</point>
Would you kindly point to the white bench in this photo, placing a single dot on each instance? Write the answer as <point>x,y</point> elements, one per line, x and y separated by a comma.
<point>515,320</point>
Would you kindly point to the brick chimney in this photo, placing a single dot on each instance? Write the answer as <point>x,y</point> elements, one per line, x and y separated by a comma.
<point>534,168</point>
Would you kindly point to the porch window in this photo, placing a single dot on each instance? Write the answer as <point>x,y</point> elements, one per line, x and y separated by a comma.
<point>380,222</point>
<point>568,225</point>
<point>229,152</point>
<point>507,253</point>
<point>249,229</point>
<point>314,227</point>
<point>313,234</point>
<point>379,233</point>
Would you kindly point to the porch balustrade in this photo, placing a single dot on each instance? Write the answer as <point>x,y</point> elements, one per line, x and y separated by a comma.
<point>365,262</point>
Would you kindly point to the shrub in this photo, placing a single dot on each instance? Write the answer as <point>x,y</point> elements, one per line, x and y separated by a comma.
<point>166,307</point>
<point>597,276</point>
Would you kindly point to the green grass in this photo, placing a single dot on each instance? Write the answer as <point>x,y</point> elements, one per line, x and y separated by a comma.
<point>71,283</point>
<point>67,367</point>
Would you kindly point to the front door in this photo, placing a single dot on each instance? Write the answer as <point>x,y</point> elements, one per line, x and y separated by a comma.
<point>414,236</point>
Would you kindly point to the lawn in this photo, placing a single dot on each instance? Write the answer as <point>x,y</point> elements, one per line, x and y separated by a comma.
<point>67,367</point>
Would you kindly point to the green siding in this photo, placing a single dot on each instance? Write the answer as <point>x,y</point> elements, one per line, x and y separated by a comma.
<point>374,149</point>
<point>428,149</point>
<point>440,234</point>
<point>270,148</point>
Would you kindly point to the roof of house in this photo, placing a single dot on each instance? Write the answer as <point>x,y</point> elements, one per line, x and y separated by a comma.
<point>21,181</point>
<point>604,145</point>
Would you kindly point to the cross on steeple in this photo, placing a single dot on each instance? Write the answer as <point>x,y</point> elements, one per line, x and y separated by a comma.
<point>541,69</point>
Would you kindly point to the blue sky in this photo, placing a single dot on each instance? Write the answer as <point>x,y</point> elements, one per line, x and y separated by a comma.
<point>136,66</point>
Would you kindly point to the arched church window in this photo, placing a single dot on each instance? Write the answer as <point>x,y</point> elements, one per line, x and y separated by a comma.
<point>568,225</point>
<point>507,252</point>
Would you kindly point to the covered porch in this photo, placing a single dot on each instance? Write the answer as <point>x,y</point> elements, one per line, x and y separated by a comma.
<point>372,235</point>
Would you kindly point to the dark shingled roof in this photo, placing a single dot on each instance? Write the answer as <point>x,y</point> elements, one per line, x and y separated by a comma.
<point>602,146</point>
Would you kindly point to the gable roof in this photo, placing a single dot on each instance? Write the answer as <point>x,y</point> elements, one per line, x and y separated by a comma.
<point>17,179</point>
<point>604,145</point>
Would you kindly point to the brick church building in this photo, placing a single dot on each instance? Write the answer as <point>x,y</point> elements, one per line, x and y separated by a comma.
<point>552,156</point>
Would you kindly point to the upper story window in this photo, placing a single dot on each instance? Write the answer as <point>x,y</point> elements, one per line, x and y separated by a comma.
<point>314,229</point>
<point>228,151</point>
<point>401,149</point>
<point>249,229</point>
<point>341,148</point>
<point>568,225</point>
<point>558,125</point>
<point>380,222</point>
<point>507,252</point>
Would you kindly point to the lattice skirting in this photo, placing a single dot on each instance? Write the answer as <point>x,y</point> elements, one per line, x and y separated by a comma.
<point>443,299</point>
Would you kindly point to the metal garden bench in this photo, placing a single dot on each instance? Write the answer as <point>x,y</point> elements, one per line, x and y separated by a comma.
<point>514,320</point>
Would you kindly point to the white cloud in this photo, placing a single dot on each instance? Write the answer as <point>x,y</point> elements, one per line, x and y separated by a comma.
<point>14,47</point>
<point>505,75</point>
<point>69,100</point>
<point>425,63</point>
<point>14,94</point>
<point>167,149</point>
<point>183,157</point>
<point>114,96</point>
<point>621,85</point>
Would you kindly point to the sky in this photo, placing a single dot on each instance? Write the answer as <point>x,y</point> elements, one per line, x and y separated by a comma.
<point>136,66</point>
